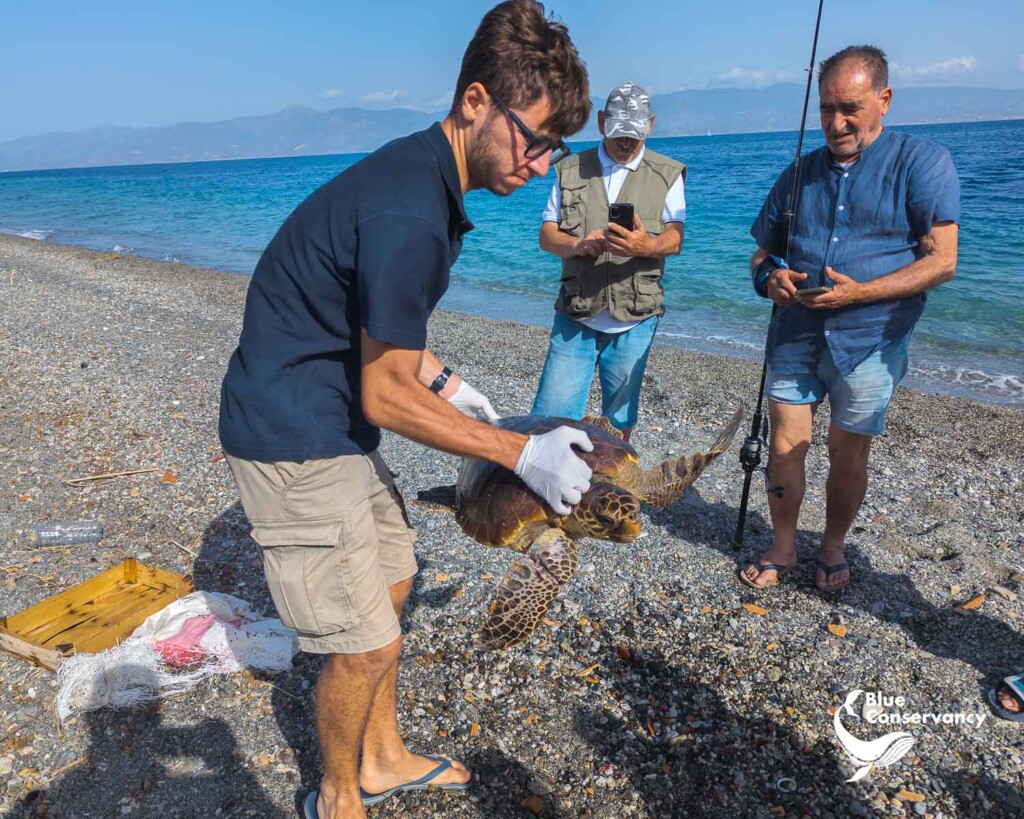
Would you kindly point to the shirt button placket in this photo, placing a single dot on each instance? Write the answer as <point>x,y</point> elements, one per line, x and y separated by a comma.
<point>840,208</point>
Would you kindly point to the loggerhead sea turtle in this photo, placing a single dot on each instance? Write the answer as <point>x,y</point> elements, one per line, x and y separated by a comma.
<point>494,507</point>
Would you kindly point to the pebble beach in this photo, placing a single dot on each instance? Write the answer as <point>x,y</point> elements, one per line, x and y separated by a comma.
<point>658,687</point>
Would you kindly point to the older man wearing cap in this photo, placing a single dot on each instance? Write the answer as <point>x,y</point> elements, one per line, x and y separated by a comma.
<point>611,295</point>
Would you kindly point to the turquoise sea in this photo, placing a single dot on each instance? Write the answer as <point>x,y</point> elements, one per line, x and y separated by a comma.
<point>221,215</point>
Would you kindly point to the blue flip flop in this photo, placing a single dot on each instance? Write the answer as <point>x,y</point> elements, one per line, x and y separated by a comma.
<point>1015,683</point>
<point>422,784</point>
<point>829,571</point>
<point>781,570</point>
<point>309,806</point>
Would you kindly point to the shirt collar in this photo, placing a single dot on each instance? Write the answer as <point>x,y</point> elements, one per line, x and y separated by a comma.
<point>449,171</point>
<point>882,137</point>
<point>608,162</point>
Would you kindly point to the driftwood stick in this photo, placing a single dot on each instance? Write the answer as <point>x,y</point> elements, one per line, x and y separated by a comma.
<point>18,728</point>
<point>183,548</point>
<point>110,475</point>
<point>74,763</point>
<point>56,724</point>
<point>277,688</point>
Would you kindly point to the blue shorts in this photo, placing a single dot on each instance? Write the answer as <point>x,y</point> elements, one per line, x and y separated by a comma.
<point>575,350</point>
<point>858,400</point>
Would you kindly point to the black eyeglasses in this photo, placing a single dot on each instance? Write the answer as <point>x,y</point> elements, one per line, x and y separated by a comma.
<point>536,146</point>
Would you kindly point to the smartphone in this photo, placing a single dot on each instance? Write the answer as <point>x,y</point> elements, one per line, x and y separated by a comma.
<point>812,291</point>
<point>621,213</point>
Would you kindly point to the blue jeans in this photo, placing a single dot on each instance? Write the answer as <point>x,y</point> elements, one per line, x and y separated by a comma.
<point>859,400</point>
<point>575,349</point>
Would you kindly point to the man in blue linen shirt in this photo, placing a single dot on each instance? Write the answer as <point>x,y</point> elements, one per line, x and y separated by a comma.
<point>875,228</point>
<point>333,348</point>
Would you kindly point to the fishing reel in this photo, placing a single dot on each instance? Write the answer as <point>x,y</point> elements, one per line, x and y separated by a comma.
<point>750,460</point>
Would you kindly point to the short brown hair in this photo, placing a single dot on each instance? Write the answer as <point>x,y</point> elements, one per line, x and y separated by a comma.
<point>871,57</point>
<point>519,54</point>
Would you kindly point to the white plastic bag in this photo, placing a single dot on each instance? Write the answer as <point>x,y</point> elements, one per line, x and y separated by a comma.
<point>189,640</point>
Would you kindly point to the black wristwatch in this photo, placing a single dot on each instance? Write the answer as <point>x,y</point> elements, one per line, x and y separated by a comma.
<point>441,380</point>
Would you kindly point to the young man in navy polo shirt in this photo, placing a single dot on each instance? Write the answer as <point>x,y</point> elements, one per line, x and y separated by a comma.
<point>876,225</point>
<point>332,349</point>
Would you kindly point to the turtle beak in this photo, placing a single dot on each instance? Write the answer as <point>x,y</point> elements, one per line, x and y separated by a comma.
<point>629,530</point>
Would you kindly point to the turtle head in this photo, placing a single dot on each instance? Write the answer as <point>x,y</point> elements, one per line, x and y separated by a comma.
<point>609,512</point>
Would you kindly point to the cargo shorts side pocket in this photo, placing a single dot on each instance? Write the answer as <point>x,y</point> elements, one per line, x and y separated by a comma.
<point>325,576</point>
<point>304,568</point>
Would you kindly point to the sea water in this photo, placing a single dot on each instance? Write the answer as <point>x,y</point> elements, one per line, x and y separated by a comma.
<point>970,341</point>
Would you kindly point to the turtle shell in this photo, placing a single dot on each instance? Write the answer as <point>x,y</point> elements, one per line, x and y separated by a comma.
<point>493,505</point>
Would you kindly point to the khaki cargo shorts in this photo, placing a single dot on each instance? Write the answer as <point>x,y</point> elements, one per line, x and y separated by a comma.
<point>334,536</point>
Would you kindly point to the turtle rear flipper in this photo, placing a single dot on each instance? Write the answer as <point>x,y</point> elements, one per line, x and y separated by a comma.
<point>661,485</point>
<point>440,498</point>
<point>526,591</point>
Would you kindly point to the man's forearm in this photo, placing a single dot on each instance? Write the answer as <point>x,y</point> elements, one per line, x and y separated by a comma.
<point>400,404</point>
<point>915,278</point>
<point>394,398</point>
<point>937,265</point>
<point>556,242</point>
<point>430,369</point>
<point>668,243</point>
<point>759,256</point>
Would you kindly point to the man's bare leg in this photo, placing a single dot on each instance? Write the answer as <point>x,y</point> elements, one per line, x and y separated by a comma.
<point>790,440</point>
<point>386,762</point>
<point>626,433</point>
<point>344,693</point>
<point>844,493</point>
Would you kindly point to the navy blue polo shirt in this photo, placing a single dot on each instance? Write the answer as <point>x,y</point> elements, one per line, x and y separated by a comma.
<point>369,249</point>
<point>864,221</point>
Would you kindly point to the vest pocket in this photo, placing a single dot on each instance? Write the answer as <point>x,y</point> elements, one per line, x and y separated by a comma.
<point>652,222</point>
<point>573,211</point>
<point>569,294</point>
<point>648,293</point>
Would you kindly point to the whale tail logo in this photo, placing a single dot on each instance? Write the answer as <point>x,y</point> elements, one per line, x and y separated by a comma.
<point>869,754</point>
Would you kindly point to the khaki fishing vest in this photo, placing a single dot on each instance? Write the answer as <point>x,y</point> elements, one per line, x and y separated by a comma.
<point>630,287</point>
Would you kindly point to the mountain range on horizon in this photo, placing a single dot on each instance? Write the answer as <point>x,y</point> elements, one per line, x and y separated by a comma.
<point>300,131</point>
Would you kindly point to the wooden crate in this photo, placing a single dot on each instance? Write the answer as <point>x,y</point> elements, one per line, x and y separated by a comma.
<point>92,615</point>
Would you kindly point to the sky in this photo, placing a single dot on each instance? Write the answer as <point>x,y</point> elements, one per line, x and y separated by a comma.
<point>70,66</point>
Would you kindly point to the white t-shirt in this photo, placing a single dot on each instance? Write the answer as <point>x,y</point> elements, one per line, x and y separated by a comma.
<point>614,176</point>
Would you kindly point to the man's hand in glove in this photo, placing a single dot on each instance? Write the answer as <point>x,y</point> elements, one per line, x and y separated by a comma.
<point>470,402</point>
<point>550,467</point>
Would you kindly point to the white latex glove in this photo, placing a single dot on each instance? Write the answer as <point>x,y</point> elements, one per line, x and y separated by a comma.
<point>470,402</point>
<point>550,467</point>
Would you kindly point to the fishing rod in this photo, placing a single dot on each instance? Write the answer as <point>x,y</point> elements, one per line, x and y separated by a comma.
<point>750,452</point>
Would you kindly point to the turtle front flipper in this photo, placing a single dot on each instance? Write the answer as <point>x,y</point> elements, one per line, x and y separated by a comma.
<point>663,484</point>
<point>601,422</point>
<point>526,591</point>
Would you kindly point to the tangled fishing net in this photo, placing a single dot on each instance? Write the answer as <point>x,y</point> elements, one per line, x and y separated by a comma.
<point>188,641</point>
